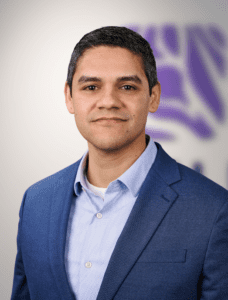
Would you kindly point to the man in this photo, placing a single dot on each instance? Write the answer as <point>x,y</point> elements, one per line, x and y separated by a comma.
<point>126,221</point>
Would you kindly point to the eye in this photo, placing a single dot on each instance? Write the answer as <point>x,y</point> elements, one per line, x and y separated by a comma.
<point>128,87</point>
<point>90,87</point>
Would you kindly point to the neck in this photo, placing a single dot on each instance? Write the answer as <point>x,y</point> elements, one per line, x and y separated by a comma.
<point>105,167</point>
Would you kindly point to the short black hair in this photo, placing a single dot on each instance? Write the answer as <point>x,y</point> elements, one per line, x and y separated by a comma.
<point>115,36</point>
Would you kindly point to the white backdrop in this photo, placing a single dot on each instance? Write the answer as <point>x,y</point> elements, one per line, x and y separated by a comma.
<point>38,135</point>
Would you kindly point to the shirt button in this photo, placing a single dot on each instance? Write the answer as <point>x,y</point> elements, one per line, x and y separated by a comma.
<point>83,189</point>
<point>88,264</point>
<point>99,215</point>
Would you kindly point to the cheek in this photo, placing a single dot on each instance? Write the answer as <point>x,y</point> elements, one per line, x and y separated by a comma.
<point>79,109</point>
<point>141,113</point>
<point>79,118</point>
<point>79,115</point>
<point>81,124</point>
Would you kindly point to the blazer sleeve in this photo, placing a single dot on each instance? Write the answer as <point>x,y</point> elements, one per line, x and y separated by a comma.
<point>20,286</point>
<point>215,270</point>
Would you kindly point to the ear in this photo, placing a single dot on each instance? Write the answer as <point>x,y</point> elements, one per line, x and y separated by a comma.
<point>68,99</point>
<point>155,97</point>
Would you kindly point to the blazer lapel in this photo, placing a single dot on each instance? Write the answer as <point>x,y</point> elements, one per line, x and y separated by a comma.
<point>60,210</point>
<point>154,201</point>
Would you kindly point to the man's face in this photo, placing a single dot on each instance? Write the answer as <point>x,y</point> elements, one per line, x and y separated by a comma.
<point>110,97</point>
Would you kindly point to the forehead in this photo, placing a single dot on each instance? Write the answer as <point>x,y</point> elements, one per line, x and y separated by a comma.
<point>109,61</point>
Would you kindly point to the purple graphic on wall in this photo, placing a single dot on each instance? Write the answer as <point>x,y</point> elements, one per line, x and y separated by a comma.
<point>202,48</point>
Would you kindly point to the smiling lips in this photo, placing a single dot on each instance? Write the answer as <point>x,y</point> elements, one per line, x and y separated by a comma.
<point>110,119</point>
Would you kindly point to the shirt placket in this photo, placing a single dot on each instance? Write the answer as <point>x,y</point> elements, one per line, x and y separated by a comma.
<point>87,271</point>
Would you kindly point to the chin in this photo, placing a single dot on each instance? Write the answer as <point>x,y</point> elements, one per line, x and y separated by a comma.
<point>109,145</point>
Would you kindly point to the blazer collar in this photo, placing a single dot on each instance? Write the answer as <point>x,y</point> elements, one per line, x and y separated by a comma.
<point>60,210</point>
<point>154,201</point>
<point>166,167</point>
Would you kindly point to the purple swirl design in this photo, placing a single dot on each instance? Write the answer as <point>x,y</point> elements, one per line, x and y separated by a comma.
<point>200,42</point>
<point>196,124</point>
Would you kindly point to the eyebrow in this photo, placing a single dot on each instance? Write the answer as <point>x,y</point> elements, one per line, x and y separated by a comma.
<point>83,79</point>
<point>133,78</point>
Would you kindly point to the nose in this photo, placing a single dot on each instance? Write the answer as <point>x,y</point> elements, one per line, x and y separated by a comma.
<point>109,99</point>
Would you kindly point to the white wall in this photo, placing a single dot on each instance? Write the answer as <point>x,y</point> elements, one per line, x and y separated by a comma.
<point>38,135</point>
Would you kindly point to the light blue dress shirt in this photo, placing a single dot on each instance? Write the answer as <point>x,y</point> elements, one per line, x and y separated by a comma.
<point>95,224</point>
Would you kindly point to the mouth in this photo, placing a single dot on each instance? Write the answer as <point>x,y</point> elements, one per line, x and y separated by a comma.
<point>109,122</point>
<point>110,119</point>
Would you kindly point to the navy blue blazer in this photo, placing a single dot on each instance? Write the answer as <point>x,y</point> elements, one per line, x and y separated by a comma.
<point>173,246</point>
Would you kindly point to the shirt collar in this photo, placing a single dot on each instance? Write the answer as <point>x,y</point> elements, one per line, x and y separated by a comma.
<point>80,176</point>
<point>132,178</point>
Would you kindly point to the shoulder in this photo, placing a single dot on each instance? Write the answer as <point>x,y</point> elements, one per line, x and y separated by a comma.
<point>55,180</point>
<point>39,196</point>
<point>185,180</point>
<point>197,180</point>
<point>197,186</point>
